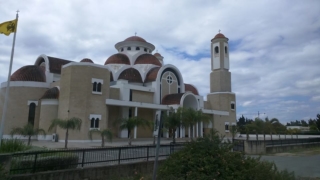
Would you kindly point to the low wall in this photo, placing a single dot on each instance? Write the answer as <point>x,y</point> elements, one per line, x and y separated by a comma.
<point>254,147</point>
<point>93,173</point>
<point>278,149</point>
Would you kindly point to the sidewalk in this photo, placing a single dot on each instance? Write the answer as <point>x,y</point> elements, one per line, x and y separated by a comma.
<point>115,143</point>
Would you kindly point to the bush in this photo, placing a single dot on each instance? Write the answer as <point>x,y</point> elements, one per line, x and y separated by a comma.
<point>3,174</point>
<point>210,158</point>
<point>13,145</point>
<point>44,163</point>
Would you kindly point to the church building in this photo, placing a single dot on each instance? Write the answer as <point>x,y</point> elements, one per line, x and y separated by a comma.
<point>132,82</point>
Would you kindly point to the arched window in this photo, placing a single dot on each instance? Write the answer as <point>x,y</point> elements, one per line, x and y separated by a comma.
<point>226,50</point>
<point>145,49</point>
<point>32,113</point>
<point>94,86</point>
<point>99,87</point>
<point>128,48</point>
<point>96,124</point>
<point>92,123</point>
<point>137,48</point>
<point>216,49</point>
<point>121,49</point>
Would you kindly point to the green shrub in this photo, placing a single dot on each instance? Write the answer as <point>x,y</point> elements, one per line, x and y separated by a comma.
<point>47,162</point>
<point>210,158</point>
<point>13,145</point>
<point>3,174</point>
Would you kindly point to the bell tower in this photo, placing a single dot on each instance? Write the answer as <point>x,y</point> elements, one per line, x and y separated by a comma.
<point>221,97</point>
<point>220,77</point>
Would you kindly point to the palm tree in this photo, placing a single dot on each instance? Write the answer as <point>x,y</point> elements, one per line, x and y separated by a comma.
<point>131,123</point>
<point>172,122</point>
<point>27,130</point>
<point>72,124</point>
<point>190,117</point>
<point>233,130</point>
<point>106,133</point>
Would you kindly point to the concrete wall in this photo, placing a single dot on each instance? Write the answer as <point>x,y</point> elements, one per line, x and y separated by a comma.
<point>93,173</point>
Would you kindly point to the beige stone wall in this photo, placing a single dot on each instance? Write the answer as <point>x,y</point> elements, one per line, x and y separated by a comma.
<point>18,109</point>
<point>114,93</point>
<point>113,115</point>
<point>77,99</point>
<point>142,96</point>
<point>147,114</point>
<point>222,101</point>
<point>47,114</point>
<point>220,81</point>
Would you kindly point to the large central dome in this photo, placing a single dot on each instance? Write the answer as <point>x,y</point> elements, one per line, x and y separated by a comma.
<point>135,38</point>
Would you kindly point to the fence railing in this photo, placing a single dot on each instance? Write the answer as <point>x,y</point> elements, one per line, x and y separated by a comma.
<point>284,142</point>
<point>31,162</point>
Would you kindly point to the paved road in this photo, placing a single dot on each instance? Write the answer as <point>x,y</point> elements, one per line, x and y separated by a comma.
<point>303,166</point>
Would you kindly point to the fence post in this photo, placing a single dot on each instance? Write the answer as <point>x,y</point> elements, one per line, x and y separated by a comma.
<point>119,156</point>
<point>147,153</point>
<point>82,163</point>
<point>35,163</point>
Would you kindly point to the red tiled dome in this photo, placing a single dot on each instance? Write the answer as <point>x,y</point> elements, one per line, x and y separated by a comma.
<point>157,54</point>
<point>189,87</point>
<point>131,74</point>
<point>219,35</point>
<point>147,59</point>
<point>52,93</point>
<point>86,60</point>
<point>152,74</point>
<point>135,38</point>
<point>29,73</point>
<point>118,59</point>
<point>172,99</point>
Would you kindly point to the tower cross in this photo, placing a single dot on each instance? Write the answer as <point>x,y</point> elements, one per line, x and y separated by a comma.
<point>135,34</point>
<point>219,30</point>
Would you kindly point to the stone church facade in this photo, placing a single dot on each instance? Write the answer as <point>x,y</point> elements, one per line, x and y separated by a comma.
<point>132,82</point>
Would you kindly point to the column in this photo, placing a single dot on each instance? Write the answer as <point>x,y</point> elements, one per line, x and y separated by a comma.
<point>135,128</point>
<point>201,129</point>
<point>197,125</point>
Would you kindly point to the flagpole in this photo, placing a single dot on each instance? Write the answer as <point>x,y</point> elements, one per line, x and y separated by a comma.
<point>5,105</point>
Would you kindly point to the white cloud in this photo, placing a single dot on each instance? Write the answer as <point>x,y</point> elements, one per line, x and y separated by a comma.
<point>274,45</point>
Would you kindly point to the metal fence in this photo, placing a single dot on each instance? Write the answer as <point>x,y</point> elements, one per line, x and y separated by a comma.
<point>31,162</point>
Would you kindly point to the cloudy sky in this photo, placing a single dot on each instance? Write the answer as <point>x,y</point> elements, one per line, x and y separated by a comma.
<point>274,45</point>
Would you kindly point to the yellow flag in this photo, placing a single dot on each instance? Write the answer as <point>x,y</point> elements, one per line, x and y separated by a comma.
<point>8,27</point>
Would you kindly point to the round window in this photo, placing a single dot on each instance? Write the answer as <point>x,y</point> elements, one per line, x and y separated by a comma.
<point>169,79</point>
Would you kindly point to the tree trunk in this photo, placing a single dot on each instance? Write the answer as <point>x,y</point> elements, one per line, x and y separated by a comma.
<point>154,140</point>
<point>66,140</point>
<point>264,136</point>
<point>257,135</point>
<point>291,136</point>
<point>279,136</point>
<point>271,135</point>
<point>102,139</point>
<point>247,135</point>
<point>29,140</point>
<point>129,136</point>
<point>174,135</point>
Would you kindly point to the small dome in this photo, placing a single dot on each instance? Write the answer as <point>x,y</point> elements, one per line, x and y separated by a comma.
<point>191,88</point>
<point>135,38</point>
<point>131,74</point>
<point>152,74</point>
<point>87,60</point>
<point>219,35</point>
<point>52,93</point>
<point>29,73</point>
<point>118,59</point>
<point>157,55</point>
<point>147,59</point>
<point>172,99</point>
